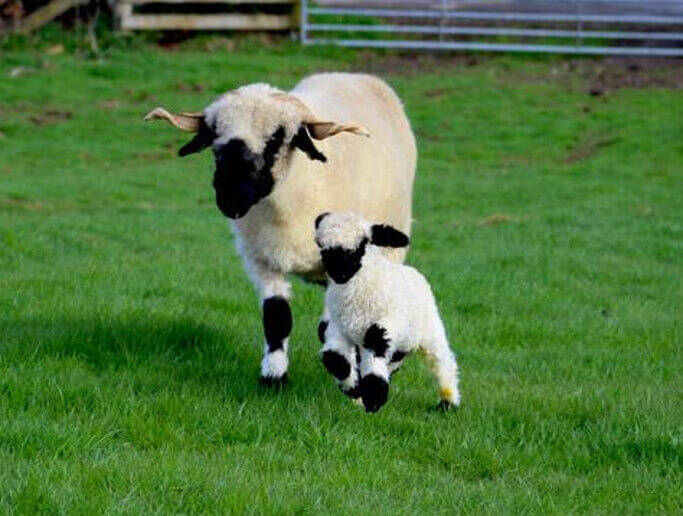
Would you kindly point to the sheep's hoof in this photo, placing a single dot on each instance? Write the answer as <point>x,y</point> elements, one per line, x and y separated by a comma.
<point>446,406</point>
<point>273,382</point>
<point>353,393</point>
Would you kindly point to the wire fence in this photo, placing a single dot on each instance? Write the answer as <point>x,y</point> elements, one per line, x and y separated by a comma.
<point>606,27</point>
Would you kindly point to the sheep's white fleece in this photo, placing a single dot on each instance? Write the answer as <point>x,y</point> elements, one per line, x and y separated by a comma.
<point>371,176</point>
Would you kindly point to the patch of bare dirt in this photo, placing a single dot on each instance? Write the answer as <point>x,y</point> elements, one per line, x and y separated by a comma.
<point>50,117</point>
<point>221,43</point>
<point>16,202</point>
<point>427,135</point>
<point>589,145</point>
<point>410,64</point>
<point>615,74</point>
<point>140,95</point>
<point>189,87</point>
<point>599,77</point>
<point>437,93</point>
<point>497,219</point>
<point>110,104</point>
<point>595,76</point>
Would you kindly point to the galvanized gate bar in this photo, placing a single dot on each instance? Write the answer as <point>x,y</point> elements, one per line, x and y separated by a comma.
<point>501,47</point>
<point>502,16</point>
<point>486,31</point>
<point>606,20</point>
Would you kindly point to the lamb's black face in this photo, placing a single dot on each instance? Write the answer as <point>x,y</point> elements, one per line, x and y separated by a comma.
<point>341,264</point>
<point>242,178</point>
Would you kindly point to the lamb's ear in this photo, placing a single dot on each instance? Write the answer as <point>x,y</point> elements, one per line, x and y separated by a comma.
<point>387,236</point>
<point>303,142</point>
<point>190,122</point>
<point>320,218</point>
<point>321,130</point>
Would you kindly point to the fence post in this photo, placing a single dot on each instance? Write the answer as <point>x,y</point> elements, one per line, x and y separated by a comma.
<point>303,20</point>
<point>579,24</point>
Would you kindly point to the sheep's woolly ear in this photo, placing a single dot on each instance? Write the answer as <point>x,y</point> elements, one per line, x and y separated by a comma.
<point>387,236</point>
<point>321,130</point>
<point>303,142</point>
<point>190,122</point>
<point>203,139</point>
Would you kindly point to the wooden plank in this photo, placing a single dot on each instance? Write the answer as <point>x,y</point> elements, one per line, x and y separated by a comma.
<point>41,16</point>
<point>253,2</point>
<point>207,22</point>
<point>296,15</point>
<point>122,13</point>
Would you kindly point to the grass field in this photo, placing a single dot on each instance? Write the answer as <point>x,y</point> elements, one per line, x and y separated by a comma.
<point>549,222</point>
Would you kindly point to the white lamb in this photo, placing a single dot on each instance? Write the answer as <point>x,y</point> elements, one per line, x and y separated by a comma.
<point>281,158</point>
<point>376,312</point>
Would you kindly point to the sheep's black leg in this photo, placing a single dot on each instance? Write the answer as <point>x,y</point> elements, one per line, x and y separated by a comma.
<point>339,357</point>
<point>322,327</point>
<point>396,360</point>
<point>277,325</point>
<point>374,368</point>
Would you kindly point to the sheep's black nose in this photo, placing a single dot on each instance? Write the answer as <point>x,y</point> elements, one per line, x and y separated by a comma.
<point>236,159</point>
<point>234,200</point>
<point>374,392</point>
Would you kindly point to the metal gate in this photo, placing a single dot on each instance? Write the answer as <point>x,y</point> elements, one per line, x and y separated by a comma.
<point>609,27</point>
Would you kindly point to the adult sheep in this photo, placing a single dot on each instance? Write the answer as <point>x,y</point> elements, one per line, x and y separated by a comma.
<point>283,158</point>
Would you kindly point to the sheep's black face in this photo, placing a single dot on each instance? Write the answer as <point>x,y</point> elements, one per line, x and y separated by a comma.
<point>341,264</point>
<point>242,178</point>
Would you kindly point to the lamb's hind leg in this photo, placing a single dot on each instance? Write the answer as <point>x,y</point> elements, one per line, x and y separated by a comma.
<point>340,358</point>
<point>444,366</point>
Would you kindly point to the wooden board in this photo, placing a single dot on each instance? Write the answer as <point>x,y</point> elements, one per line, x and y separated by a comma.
<point>206,22</point>
<point>185,2</point>
<point>128,19</point>
<point>44,14</point>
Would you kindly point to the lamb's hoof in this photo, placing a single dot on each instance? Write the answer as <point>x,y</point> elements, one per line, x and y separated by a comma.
<point>446,406</point>
<point>273,382</point>
<point>353,393</point>
<point>374,391</point>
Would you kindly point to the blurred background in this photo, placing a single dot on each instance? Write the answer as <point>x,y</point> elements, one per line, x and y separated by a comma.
<point>616,27</point>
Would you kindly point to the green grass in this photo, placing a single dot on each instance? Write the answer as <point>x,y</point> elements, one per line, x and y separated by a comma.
<point>549,223</point>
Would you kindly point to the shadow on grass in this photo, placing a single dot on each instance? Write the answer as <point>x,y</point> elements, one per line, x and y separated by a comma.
<point>178,348</point>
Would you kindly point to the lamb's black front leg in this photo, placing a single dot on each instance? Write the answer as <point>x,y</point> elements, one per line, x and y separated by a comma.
<point>374,367</point>
<point>339,356</point>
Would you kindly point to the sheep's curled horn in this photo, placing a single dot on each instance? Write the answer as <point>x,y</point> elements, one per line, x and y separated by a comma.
<point>320,129</point>
<point>190,122</point>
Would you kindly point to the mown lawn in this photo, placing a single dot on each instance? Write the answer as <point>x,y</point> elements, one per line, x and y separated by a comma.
<point>549,222</point>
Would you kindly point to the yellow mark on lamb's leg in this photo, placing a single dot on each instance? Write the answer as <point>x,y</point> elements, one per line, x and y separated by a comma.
<point>446,393</point>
